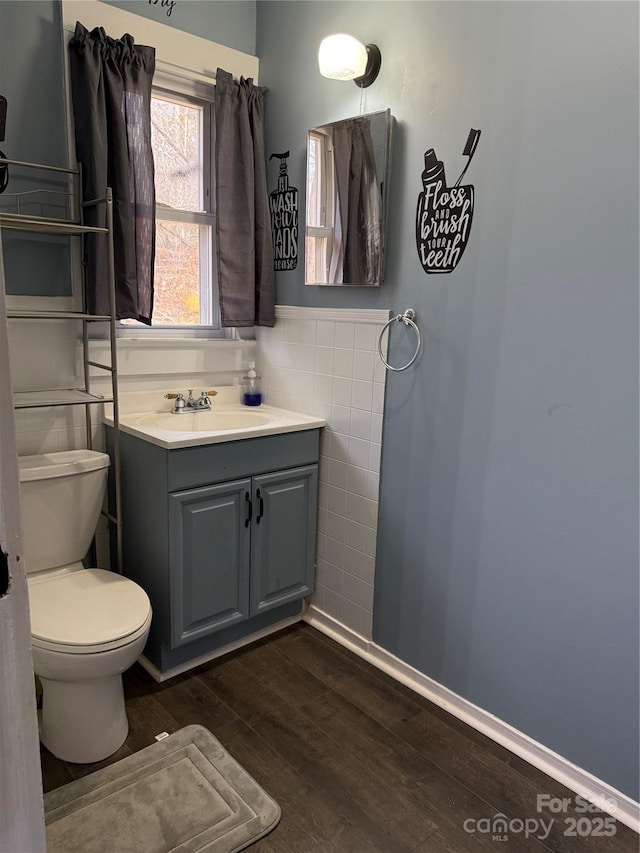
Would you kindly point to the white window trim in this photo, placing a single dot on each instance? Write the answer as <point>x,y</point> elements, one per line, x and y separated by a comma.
<point>184,62</point>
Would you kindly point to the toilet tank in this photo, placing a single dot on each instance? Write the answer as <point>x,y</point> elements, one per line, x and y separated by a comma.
<point>61,497</point>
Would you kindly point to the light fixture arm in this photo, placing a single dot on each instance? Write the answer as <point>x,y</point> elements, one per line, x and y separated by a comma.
<point>374,61</point>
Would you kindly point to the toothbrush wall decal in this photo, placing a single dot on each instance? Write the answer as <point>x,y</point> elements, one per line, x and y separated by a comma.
<point>444,214</point>
<point>283,206</point>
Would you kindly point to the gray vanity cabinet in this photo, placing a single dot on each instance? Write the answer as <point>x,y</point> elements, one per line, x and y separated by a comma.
<point>210,553</point>
<point>282,551</point>
<point>221,537</point>
<point>239,549</point>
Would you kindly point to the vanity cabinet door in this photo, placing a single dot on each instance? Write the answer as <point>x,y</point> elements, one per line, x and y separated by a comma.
<point>209,536</point>
<point>283,537</point>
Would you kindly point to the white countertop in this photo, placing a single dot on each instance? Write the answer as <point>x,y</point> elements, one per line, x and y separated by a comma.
<point>148,416</point>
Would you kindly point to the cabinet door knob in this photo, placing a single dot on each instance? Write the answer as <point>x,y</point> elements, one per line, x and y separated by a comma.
<point>247,498</point>
<point>261,508</point>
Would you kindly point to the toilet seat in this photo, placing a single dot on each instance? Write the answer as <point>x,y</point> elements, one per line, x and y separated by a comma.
<point>87,611</point>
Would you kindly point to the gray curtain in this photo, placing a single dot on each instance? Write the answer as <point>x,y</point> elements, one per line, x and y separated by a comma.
<point>359,201</point>
<point>111,90</point>
<point>243,226</point>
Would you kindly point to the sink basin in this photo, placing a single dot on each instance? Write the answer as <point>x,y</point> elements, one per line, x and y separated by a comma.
<point>228,420</point>
<point>212,421</point>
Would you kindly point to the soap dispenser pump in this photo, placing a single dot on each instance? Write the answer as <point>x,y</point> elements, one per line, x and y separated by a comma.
<point>251,393</point>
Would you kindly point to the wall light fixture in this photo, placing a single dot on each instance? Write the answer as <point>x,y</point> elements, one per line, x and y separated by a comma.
<point>342,57</point>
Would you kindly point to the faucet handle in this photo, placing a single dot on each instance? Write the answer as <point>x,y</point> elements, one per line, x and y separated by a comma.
<point>180,404</point>
<point>209,393</point>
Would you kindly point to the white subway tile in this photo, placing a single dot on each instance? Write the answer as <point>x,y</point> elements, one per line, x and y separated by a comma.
<point>338,474</point>
<point>373,486</point>
<point>323,388</point>
<point>367,624</point>
<point>367,597</point>
<point>363,365</point>
<point>368,568</point>
<point>336,525</point>
<point>358,452</point>
<point>321,544</point>
<point>366,336</point>
<point>324,360</point>
<point>340,447</point>
<point>341,391</point>
<point>344,335</point>
<point>307,329</point>
<point>337,501</point>
<point>357,509</point>
<point>307,357</point>
<point>333,603</point>
<point>321,571</point>
<point>379,370</point>
<point>340,419</point>
<point>335,553</point>
<point>361,395</point>
<point>325,333</point>
<point>322,520</point>
<point>374,457</point>
<point>370,539</point>
<point>317,599</point>
<point>352,616</point>
<point>360,426</point>
<point>376,428</point>
<point>354,562</point>
<point>323,495</point>
<point>358,480</point>
<point>343,363</point>
<point>352,588</point>
<point>378,397</point>
<point>355,535</point>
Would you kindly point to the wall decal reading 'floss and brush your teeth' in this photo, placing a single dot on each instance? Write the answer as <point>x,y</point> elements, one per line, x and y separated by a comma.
<point>283,205</point>
<point>444,214</point>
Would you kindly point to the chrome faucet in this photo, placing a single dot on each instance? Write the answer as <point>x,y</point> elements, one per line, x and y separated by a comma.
<point>191,404</point>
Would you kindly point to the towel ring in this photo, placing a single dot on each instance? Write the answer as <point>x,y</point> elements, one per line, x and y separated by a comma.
<point>408,319</point>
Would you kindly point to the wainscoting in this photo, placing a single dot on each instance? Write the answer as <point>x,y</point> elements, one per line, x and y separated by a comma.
<point>325,362</point>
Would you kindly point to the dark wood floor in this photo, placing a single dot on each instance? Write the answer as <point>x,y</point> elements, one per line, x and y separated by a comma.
<point>356,761</point>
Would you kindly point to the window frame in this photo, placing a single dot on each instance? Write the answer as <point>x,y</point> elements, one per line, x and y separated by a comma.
<point>326,194</point>
<point>181,89</point>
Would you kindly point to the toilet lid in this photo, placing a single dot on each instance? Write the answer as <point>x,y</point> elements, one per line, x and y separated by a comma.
<point>87,608</point>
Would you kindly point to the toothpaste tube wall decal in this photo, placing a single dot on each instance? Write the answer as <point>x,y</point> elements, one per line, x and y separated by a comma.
<point>444,214</point>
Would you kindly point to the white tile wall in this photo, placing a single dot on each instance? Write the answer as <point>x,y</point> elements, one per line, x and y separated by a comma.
<point>322,362</point>
<point>326,363</point>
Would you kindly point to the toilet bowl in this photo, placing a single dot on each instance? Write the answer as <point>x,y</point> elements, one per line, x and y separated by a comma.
<point>87,625</point>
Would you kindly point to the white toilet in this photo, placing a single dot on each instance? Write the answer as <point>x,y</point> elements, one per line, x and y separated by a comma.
<point>87,625</point>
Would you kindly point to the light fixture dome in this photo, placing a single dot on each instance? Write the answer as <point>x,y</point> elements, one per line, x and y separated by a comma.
<point>343,57</point>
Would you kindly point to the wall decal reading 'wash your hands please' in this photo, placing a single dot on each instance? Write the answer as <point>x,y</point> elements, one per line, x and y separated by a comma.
<point>444,214</point>
<point>283,206</point>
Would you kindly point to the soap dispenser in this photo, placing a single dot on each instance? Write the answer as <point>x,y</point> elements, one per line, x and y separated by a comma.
<point>251,393</point>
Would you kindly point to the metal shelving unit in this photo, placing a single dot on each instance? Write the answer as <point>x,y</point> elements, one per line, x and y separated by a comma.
<point>80,396</point>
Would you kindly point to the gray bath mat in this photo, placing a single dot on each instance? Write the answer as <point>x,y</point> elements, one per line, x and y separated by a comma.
<point>184,794</point>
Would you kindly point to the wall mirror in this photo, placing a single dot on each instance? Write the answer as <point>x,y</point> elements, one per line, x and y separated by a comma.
<point>348,168</point>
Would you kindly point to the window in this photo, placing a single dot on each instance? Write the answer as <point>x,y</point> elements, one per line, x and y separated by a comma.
<point>320,207</point>
<point>185,286</point>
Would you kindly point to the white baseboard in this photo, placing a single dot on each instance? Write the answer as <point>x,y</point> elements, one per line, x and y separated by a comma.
<point>158,676</point>
<point>607,798</point>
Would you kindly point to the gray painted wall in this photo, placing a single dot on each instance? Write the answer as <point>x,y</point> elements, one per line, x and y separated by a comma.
<point>507,565</point>
<point>228,22</point>
<point>508,553</point>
